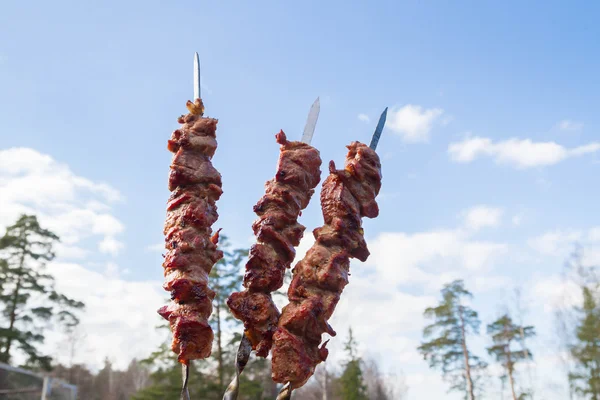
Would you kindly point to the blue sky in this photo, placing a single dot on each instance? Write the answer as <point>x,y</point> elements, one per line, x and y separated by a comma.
<point>98,86</point>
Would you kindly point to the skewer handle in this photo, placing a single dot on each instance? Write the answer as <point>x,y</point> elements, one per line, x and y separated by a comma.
<point>185,372</point>
<point>243,354</point>
<point>286,392</point>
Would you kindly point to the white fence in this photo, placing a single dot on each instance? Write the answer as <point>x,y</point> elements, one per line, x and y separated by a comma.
<point>21,384</point>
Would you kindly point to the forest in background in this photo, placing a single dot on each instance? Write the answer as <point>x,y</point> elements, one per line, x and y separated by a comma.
<point>30,305</point>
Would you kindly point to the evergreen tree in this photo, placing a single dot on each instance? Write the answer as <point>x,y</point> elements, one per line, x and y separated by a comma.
<point>351,383</point>
<point>504,333</point>
<point>585,379</point>
<point>27,292</point>
<point>447,347</point>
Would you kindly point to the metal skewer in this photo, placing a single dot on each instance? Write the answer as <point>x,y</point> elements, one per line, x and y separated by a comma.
<point>378,130</point>
<point>185,368</point>
<point>243,353</point>
<point>311,121</point>
<point>196,77</point>
<point>286,391</point>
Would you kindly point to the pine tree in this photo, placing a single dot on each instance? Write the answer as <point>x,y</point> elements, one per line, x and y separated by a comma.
<point>585,379</point>
<point>352,385</point>
<point>27,292</point>
<point>504,333</point>
<point>447,347</point>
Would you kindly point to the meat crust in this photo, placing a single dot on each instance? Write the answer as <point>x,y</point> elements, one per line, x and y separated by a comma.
<point>191,246</point>
<point>278,233</point>
<point>319,279</point>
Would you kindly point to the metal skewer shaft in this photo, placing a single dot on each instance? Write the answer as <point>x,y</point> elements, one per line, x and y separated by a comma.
<point>243,355</point>
<point>196,77</point>
<point>311,122</point>
<point>185,370</point>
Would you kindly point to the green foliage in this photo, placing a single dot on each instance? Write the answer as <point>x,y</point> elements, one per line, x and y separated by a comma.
<point>351,384</point>
<point>505,333</point>
<point>585,379</point>
<point>27,294</point>
<point>445,346</point>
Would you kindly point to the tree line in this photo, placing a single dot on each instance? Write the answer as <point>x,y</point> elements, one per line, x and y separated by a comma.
<point>447,343</point>
<point>31,305</point>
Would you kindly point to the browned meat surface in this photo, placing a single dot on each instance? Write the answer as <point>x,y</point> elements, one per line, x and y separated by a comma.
<point>319,279</point>
<point>278,233</point>
<point>191,246</point>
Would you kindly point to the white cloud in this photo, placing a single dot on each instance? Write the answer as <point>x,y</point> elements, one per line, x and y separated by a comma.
<point>594,234</point>
<point>120,316</point>
<point>430,258</point>
<point>485,283</point>
<point>519,153</point>
<point>53,181</point>
<point>553,292</point>
<point>561,243</point>
<point>66,252</point>
<point>73,207</point>
<point>110,245</point>
<point>517,220</point>
<point>481,217</point>
<point>158,247</point>
<point>568,125</point>
<point>364,118</point>
<point>413,123</point>
<point>111,270</point>
<point>480,255</point>
<point>555,243</point>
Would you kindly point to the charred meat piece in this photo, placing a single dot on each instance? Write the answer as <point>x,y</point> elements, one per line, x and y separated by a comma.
<point>278,233</point>
<point>319,279</point>
<point>190,243</point>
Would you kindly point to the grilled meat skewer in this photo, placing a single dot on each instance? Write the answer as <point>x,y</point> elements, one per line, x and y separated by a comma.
<point>195,187</point>
<point>277,231</point>
<point>319,279</point>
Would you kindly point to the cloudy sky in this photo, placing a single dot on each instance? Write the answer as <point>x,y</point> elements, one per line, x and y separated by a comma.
<point>489,153</point>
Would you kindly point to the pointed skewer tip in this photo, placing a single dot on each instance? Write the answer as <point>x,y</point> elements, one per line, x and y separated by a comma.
<point>378,129</point>
<point>311,122</point>
<point>196,76</point>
